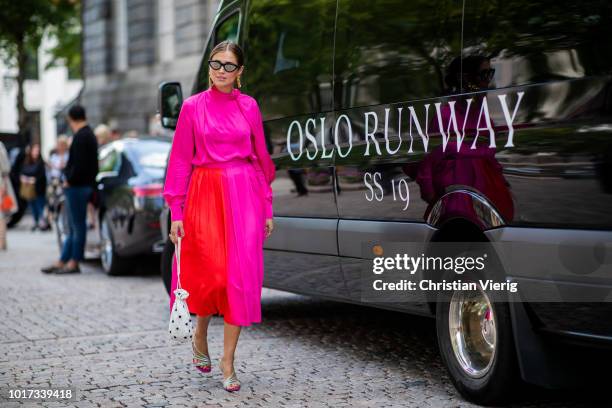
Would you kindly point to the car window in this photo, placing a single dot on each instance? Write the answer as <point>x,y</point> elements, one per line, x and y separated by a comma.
<point>289,47</point>
<point>109,160</point>
<point>528,42</point>
<point>226,29</point>
<point>394,50</point>
<point>149,154</point>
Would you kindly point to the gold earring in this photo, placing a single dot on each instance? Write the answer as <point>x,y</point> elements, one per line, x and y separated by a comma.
<point>238,80</point>
<point>209,82</point>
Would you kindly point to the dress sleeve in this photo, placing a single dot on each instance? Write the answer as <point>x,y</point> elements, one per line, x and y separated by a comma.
<point>180,165</point>
<point>264,164</point>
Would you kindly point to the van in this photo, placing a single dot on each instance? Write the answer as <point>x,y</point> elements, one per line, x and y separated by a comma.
<point>431,122</point>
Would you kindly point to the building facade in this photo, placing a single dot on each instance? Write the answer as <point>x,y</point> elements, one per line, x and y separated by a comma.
<point>130,47</point>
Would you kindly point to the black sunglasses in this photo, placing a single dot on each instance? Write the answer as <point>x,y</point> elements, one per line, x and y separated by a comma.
<point>228,66</point>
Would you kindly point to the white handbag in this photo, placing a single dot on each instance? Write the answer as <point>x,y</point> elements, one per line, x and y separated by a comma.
<point>180,326</point>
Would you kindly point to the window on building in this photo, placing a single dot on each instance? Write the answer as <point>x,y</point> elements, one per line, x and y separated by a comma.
<point>121,35</point>
<point>166,30</point>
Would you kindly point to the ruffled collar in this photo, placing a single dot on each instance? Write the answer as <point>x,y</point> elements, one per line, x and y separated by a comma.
<point>217,94</point>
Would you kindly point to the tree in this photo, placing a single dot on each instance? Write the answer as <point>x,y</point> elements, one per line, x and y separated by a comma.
<point>22,26</point>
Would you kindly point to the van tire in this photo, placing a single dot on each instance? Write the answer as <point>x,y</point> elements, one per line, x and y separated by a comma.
<point>499,380</point>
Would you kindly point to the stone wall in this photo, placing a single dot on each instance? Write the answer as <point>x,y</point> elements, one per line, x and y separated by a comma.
<point>127,98</point>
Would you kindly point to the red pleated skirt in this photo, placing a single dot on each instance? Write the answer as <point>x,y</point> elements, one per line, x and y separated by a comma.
<point>222,250</point>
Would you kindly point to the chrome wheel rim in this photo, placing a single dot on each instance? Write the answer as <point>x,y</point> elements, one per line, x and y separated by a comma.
<point>106,246</point>
<point>473,331</point>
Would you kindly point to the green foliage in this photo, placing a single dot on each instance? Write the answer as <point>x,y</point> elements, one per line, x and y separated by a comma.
<point>24,22</point>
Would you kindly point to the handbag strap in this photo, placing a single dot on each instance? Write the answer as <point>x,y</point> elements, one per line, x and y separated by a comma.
<point>178,262</point>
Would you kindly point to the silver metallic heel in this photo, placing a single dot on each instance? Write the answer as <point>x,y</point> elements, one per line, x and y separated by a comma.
<point>230,383</point>
<point>201,360</point>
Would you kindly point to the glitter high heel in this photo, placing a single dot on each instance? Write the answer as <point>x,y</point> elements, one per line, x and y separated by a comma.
<point>230,383</point>
<point>201,360</point>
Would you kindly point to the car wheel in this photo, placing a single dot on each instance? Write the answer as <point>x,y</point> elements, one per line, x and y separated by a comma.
<point>166,264</point>
<point>476,345</point>
<point>112,264</point>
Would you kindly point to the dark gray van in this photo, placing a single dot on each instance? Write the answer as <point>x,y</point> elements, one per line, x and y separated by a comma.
<point>440,121</point>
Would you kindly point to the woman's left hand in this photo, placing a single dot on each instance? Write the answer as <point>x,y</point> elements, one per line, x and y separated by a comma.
<point>269,227</point>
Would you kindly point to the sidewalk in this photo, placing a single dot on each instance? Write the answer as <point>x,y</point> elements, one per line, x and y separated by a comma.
<point>106,337</point>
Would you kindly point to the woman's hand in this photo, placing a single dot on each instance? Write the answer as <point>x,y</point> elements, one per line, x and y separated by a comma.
<point>176,230</point>
<point>269,227</point>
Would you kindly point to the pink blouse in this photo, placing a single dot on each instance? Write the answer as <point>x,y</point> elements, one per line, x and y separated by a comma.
<point>215,126</point>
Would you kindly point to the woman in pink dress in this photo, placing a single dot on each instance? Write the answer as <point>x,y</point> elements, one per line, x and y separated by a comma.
<point>218,190</point>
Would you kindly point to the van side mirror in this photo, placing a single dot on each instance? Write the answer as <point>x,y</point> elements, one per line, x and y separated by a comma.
<point>170,102</point>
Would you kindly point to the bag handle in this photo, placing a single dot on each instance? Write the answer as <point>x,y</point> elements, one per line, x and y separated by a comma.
<point>178,262</point>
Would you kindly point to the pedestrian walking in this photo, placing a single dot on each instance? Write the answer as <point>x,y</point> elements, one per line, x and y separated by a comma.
<point>57,161</point>
<point>79,181</point>
<point>59,157</point>
<point>218,190</point>
<point>34,184</point>
<point>8,201</point>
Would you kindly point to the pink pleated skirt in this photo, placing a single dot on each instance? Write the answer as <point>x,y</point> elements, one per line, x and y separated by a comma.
<point>222,250</point>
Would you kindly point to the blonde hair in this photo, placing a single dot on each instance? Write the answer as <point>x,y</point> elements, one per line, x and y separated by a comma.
<point>62,139</point>
<point>103,134</point>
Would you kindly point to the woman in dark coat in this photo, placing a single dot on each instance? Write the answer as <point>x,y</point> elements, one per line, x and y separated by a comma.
<point>34,170</point>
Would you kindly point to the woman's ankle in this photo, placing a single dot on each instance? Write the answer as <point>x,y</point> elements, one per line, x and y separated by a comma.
<point>201,342</point>
<point>229,361</point>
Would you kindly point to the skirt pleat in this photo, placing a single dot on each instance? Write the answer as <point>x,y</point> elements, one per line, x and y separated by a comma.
<point>222,251</point>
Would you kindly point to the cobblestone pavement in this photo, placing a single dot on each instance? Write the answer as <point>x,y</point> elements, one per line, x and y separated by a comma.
<point>106,338</point>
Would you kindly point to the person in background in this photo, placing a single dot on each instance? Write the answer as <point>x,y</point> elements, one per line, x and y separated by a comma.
<point>103,134</point>
<point>8,201</point>
<point>79,181</point>
<point>58,158</point>
<point>34,172</point>
<point>57,161</point>
<point>115,134</point>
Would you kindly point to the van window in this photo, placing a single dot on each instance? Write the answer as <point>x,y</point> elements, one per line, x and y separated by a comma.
<point>289,49</point>
<point>226,29</point>
<point>539,41</point>
<point>394,50</point>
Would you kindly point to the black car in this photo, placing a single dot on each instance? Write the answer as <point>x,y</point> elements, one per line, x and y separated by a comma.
<point>128,201</point>
<point>366,106</point>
